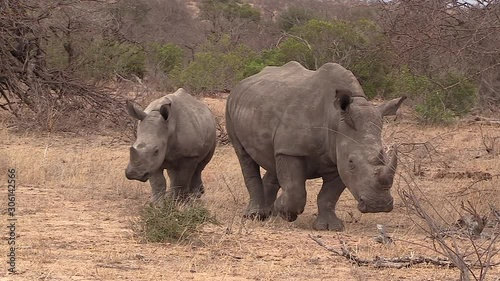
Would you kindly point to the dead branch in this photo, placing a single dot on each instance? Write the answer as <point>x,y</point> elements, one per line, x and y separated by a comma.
<point>463,190</point>
<point>30,89</point>
<point>381,262</point>
<point>448,244</point>
<point>222,137</point>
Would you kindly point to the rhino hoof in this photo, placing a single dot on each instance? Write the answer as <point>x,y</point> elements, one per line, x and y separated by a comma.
<point>198,191</point>
<point>289,216</point>
<point>256,214</point>
<point>333,224</point>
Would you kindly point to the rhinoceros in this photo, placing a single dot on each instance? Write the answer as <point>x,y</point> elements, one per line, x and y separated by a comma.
<point>175,132</point>
<point>299,124</point>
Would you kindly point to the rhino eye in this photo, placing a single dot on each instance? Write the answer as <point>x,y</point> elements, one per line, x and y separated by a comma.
<point>352,167</point>
<point>156,152</point>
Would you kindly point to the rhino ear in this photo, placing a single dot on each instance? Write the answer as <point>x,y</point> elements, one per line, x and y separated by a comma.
<point>342,99</point>
<point>165,111</point>
<point>342,102</point>
<point>135,111</point>
<point>391,107</point>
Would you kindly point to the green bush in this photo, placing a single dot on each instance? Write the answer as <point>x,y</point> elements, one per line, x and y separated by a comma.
<point>230,9</point>
<point>217,69</point>
<point>433,110</point>
<point>357,46</point>
<point>103,58</point>
<point>294,16</point>
<point>168,57</point>
<point>440,100</point>
<point>460,94</point>
<point>173,222</point>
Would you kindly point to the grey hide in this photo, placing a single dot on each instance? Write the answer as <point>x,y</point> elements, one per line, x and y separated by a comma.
<point>176,133</point>
<point>299,124</point>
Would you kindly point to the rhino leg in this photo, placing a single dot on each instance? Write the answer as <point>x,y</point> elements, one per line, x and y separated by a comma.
<point>253,182</point>
<point>291,172</point>
<point>328,196</point>
<point>196,188</point>
<point>271,187</point>
<point>158,187</point>
<point>180,179</point>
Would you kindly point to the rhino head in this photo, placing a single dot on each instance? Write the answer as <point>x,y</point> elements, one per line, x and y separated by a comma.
<point>148,152</point>
<point>365,168</point>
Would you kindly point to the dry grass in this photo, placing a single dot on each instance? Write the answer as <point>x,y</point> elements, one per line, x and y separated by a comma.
<point>75,209</point>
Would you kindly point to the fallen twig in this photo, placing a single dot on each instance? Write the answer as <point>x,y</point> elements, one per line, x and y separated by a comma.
<point>381,262</point>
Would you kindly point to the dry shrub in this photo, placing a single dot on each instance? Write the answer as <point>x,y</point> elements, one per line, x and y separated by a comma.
<point>172,222</point>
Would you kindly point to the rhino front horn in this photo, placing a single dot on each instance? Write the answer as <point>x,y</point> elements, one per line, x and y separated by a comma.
<point>133,153</point>
<point>388,172</point>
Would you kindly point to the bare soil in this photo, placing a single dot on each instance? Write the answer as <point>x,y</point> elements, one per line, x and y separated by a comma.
<point>76,210</point>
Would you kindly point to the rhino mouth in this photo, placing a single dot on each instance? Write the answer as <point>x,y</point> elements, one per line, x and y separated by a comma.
<point>144,178</point>
<point>366,206</point>
<point>135,176</point>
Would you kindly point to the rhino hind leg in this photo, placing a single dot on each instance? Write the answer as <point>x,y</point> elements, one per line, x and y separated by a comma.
<point>291,172</point>
<point>328,196</point>
<point>196,188</point>
<point>253,181</point>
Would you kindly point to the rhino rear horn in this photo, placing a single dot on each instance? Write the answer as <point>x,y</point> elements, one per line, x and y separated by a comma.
<point>134,111</point>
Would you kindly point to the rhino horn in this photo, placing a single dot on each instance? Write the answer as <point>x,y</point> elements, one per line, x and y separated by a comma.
<point>134,154</point>
<point>389,170</point>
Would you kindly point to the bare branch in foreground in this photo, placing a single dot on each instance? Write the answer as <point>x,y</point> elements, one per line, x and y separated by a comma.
<point>381,262</point>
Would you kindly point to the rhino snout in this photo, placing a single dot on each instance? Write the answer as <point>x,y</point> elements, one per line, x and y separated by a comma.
<point>371,206</point>
<point>134,175</point>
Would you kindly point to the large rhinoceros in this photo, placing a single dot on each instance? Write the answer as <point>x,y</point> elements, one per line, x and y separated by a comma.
<point>300,124</point>
<point>176,133</point>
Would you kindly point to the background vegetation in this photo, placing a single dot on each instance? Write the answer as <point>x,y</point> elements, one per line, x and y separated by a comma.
<point>442,54</point>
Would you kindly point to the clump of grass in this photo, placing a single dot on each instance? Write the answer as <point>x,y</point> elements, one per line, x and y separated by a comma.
<point>173,222</point>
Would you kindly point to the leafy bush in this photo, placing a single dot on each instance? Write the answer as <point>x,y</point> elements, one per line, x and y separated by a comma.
<point>433,110</point>
<point>104,58</point>
<point>230,9</point>
<point>439,100</point>
<point>294,16</point>
<point>217,68</point>
<point>358,46</point>
<point>173,222</point>
<point>168,57</point>
<point>460,93</point>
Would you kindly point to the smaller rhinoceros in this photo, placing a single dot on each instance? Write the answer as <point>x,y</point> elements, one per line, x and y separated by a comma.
<point>177,133</point>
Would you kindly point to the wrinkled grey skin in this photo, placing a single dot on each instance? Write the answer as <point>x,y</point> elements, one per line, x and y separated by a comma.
<point>176,133</point>
<point>299,124</point>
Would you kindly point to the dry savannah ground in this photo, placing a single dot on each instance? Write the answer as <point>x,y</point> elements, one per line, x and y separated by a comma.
<point>76,210</point>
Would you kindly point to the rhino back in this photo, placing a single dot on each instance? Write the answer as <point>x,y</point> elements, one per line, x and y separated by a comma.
<point>288,110</point>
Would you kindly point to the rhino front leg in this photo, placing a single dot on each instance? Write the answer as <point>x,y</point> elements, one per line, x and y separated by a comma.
<point>180,179</point>
<point>291,172</point>
<point>196,188</point>
<point>271,187</point>
<point>158,187</point>
<point>328,196</point>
